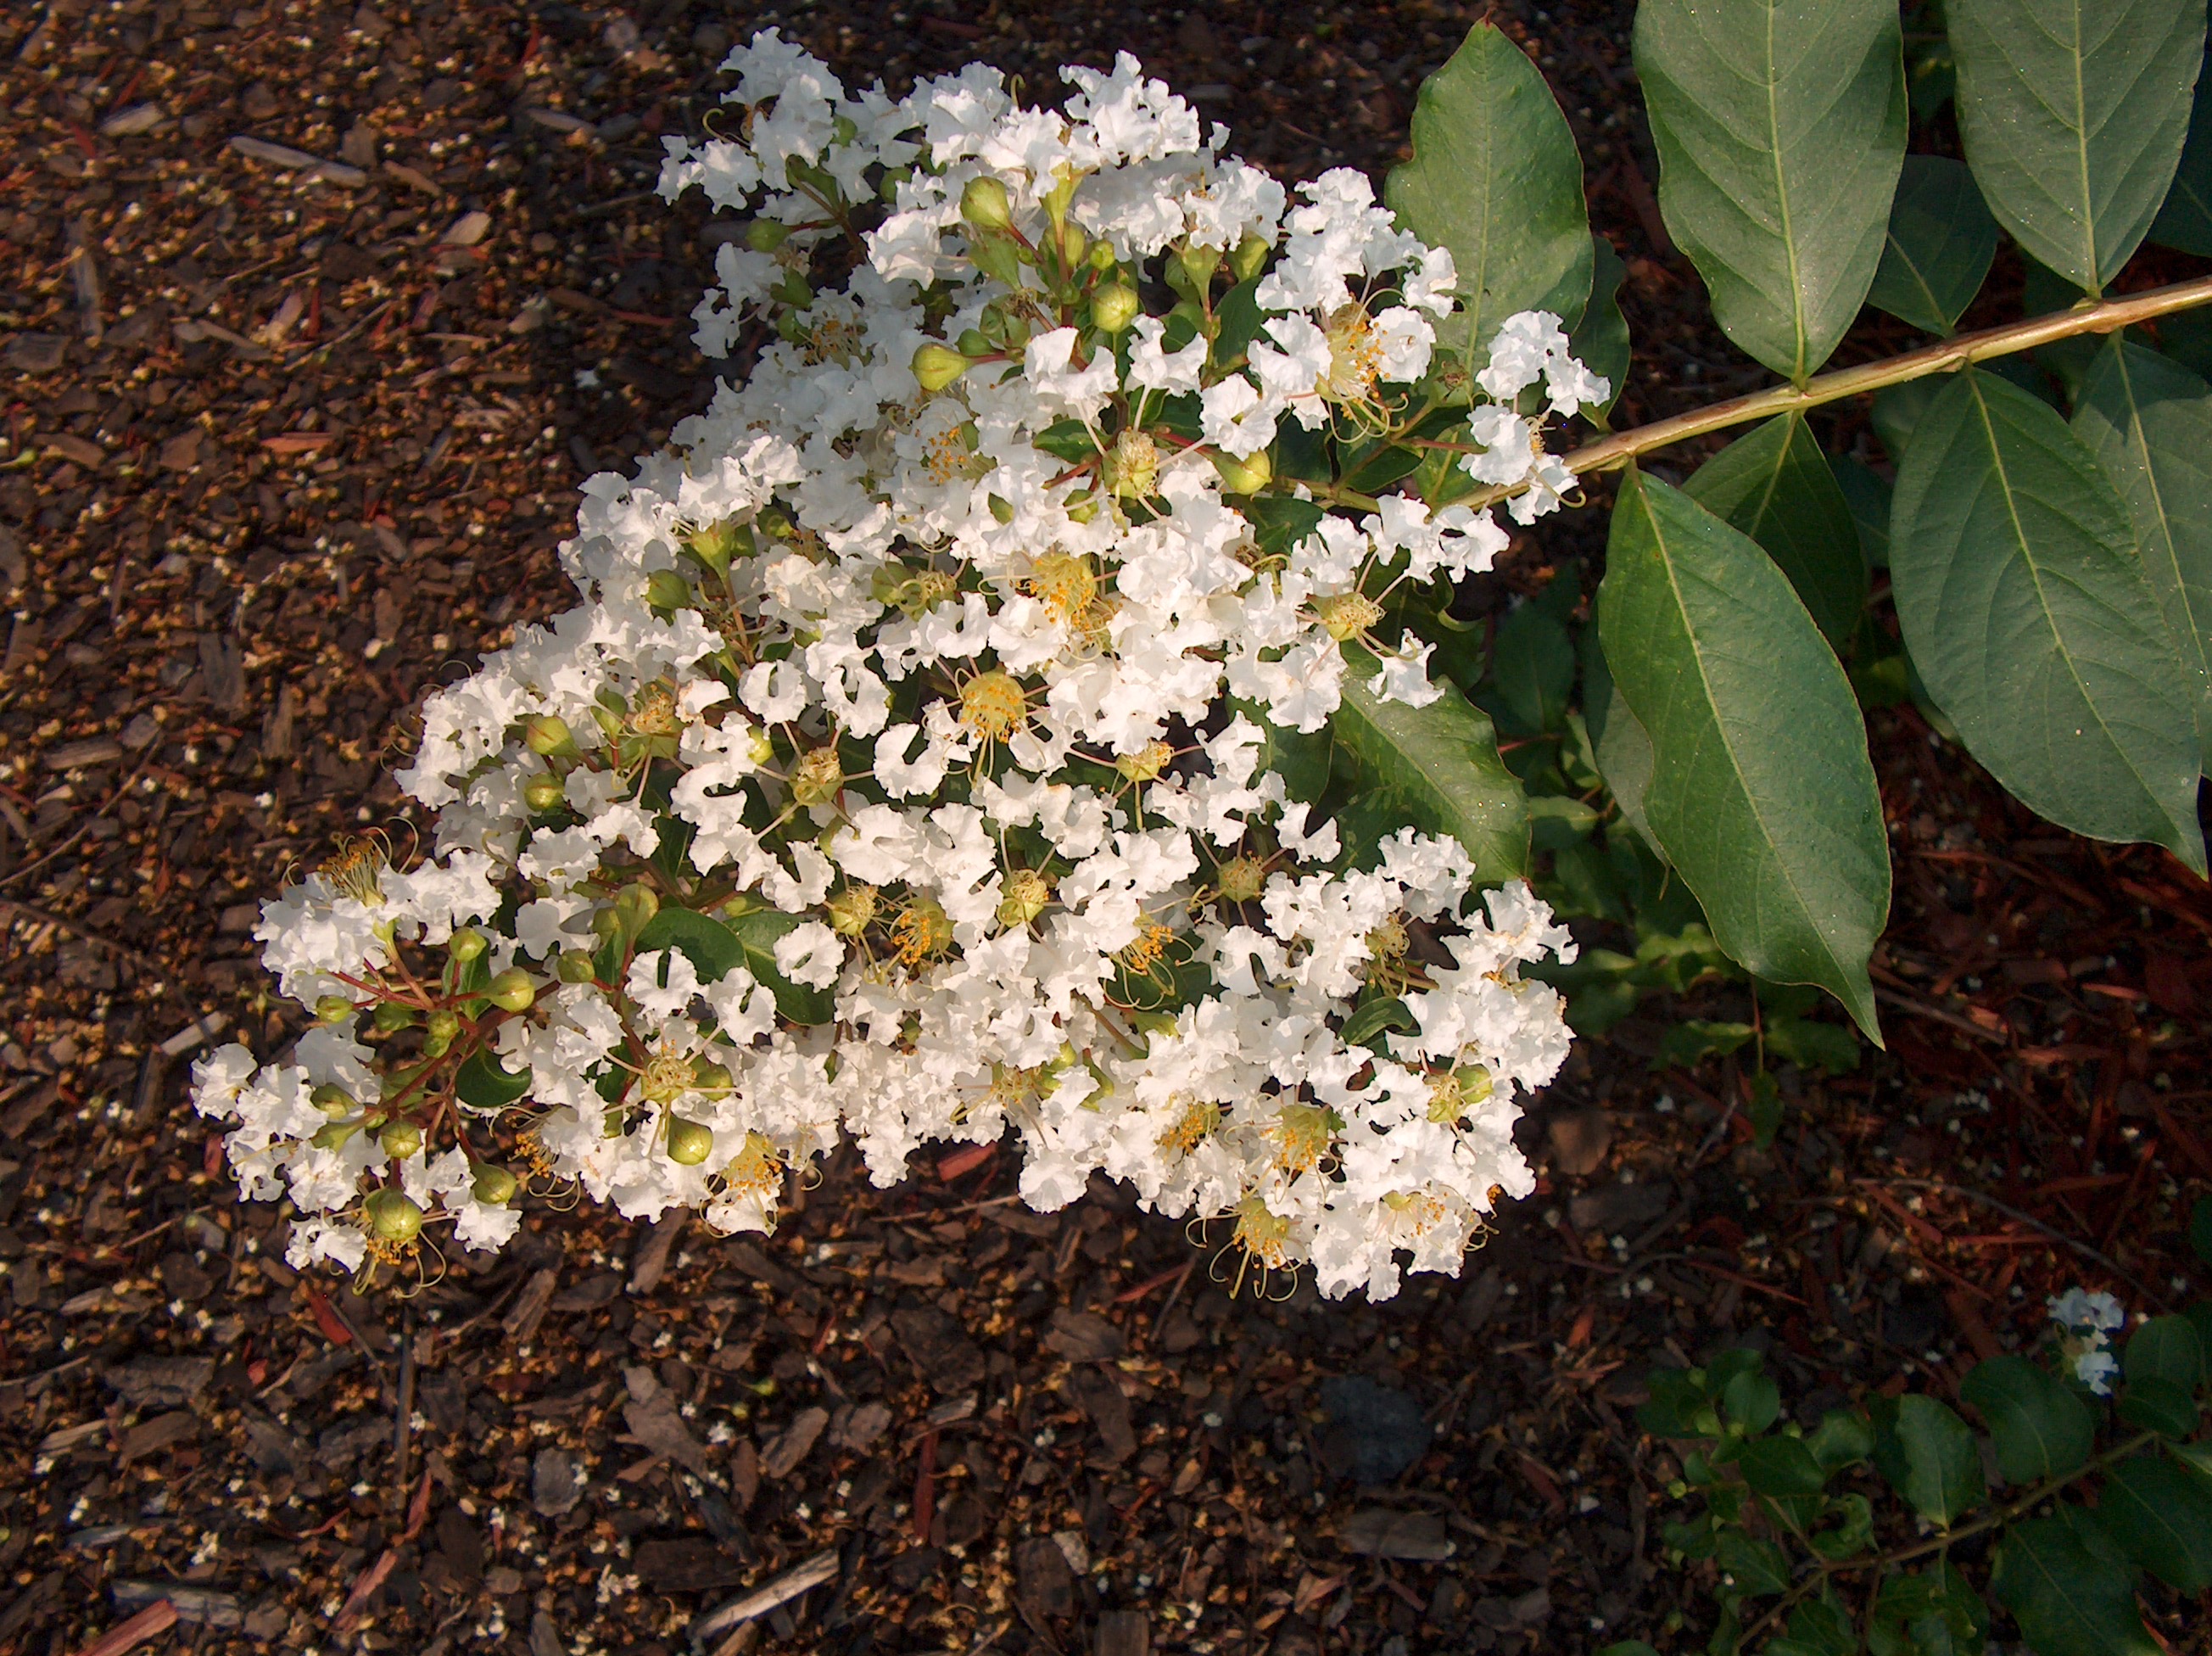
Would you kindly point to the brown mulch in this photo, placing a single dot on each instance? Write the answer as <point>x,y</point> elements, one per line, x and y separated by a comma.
<point>289,441</point>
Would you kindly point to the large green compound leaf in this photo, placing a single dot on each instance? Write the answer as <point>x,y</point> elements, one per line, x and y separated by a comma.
<point>1435,768</point>
<point>2148,421</point>
<point>2026,609</point>
<point>2184,222</point>
<point>1941,241</point>
<point>1761,793</point>
<point>2073,114</point>
<point>2068,1600</point>
<point>1775,485</point>
<point>1780,125</point>
<point>1496,178</point>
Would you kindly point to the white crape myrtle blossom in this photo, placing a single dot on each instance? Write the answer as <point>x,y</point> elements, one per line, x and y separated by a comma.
<point>2087,1323</point>
<point>932,754</point>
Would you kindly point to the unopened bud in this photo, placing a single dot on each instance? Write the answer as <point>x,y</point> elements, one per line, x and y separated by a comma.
<point>392,1215</point>
<point>333,1100</point>
<point>765,235</point>
<point>1114,307</point>
<point>466,944</point>
<point>637,904</point>
<point>665,589</point>
<point>333,1008</point>
<point>400,1140</point>
<point>391,1016</point>
<point>985,204</point>
<point>974,342</point>
<point>1101,256</point>
<point>548,733</point>
<point>938,366</point>
<point>689,1142</point>
<point>1074,244</point>
<point>1199,265</point>
<point>1247,476</point>
<point>1249,255</point>
<point>544,792</point>
<point>718,544</point>
<point>574,966</point>
<point>512,991</point>
<point>493,1186</point>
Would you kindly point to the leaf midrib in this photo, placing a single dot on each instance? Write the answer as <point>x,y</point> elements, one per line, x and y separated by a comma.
<point>1743,782</point>
<point>1797,323</point>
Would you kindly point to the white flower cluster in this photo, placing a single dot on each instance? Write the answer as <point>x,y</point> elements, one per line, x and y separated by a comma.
<point>914,766</point>
<point>2087,1323</point>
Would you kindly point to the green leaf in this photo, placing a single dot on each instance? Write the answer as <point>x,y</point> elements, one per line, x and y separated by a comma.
<point>1671,1411</point>
<point>1496,178</point>
<point>1815,1046</point>
<point>2148,421</point>
<point>1932,1612</point>
<point>1819,1627</point>
<point>2184,222</point>
<point>1689,1042</point>
<point>1068,440</point>
<point>2166,1348</point>
<point>2073,114</point>
<point>1758,1567</point>
<point>1280,522</point>
<point>1435,768</point>
<point>1897,412</point>
<point>1624,759</point>
<point>1927,1454</point>
<point>1843,1438</point>
<point>2040,1429</point>
<point>1600,340</point>
<point>716,948</point>
<point>1301,758</point>
<point>1780,125</point>
<point>486,1084</point>
<point>1368,1021</point>
<point>1867,492</point>
<point>1533,667</point>
<point>2027,612</point>
<point>1628,1647</point>
<point>1780,1466</point>
<point>2159,1406</point>
<point>1761,793</point>
<point>1853,1532</point>
<point>1775,485</point>
<point>2163,1518</point>
<point>2068,1601</point>
<point>1941,240</point>
<point>1752,1401</point>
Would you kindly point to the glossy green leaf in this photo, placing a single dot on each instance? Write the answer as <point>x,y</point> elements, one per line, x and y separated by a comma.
<point>2166,1348</point>
<point>1367,1022</point>
<point>1600,340</point>
<point>486,1084</point>
<point>1780,1466</point>
<point>2163,1517</point>
<point>1435,768</point>
<point>1755,1567</point>
<point>1780,126</point>
<point>2159,1406</point>
<point>1843,1437</point>
<point>1927,1454</point>
<point>2027,614</point>
<point>2184,222</point>
<point>2073,114</point>
<point>1496,178</point>
<point>1624,759</point>
<point>1761,793</point>
<point>2040,1429</point>
<point>2148,421</point>
<point>1941,240</point>
<point>1752,1401</point>
<point>1897,411</point>
<point>1931,1612</point>
<point>1774,484</point>
<point>1301,758</point>
<point>716,948</point>
<point>2068,1601</point>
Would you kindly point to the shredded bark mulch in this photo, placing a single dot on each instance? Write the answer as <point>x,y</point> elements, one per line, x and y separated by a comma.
<point>317,317</point>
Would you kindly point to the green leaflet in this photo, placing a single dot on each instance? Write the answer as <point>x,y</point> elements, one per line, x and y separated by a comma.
<point>1927,1454</point>
<point>2184,222</point>
<point>1941,240</point>
<point>2161,1515</point>
<point>2073,114</point>
<point>2148,421</point>
<point>716,948</point>
<point>1624,759</point>
<point>1434,767</point>
<point>486,1084</point>
<point>2068,1600</point>
<point>1761,793</point>
<point>2024,607</point>
<point>1774,484</point>
<point>1496,178</point>
<point>2040,1429</point>
<point>1780,125</point>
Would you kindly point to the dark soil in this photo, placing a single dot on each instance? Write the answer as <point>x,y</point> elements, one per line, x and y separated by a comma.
<point>283,449</point>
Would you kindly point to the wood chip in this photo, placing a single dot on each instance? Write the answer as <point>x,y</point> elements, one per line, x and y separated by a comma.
<point>782,1591</point>
<point>529,1308</point>
<point>291,160</point>
<point>1379,1532</point>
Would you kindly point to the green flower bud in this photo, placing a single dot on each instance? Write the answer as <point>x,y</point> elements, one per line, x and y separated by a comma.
<point>1114,307</point>
<point>1074,244</point>
<point>972,343</point>
<point>1199,265</point>
<point>1102,257</point>
<point>392,1215</point>
<point>574,966</point>
<point>444,1025</point>
<point>333,1135</point>
<point>1247,476</point>
<point>512,991</point>
<point>985,204</point>
<point>707,1077</point>
<point>333,1100</point>
<point>466,944</point>
<point>544,792</point>
<point>493,1186</point>
<point>765,235</point>
<point>333,1008</point>
<point>1250,255</point>
<point>400,1140</point>
<point>391,1016</point>
<point>548,733</point>
<point>665,589</point>
<point>636,905</point>
<point>717,545</point>
<point>689,1142</point>
<point>606,925</point>
<point>937,367</point>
